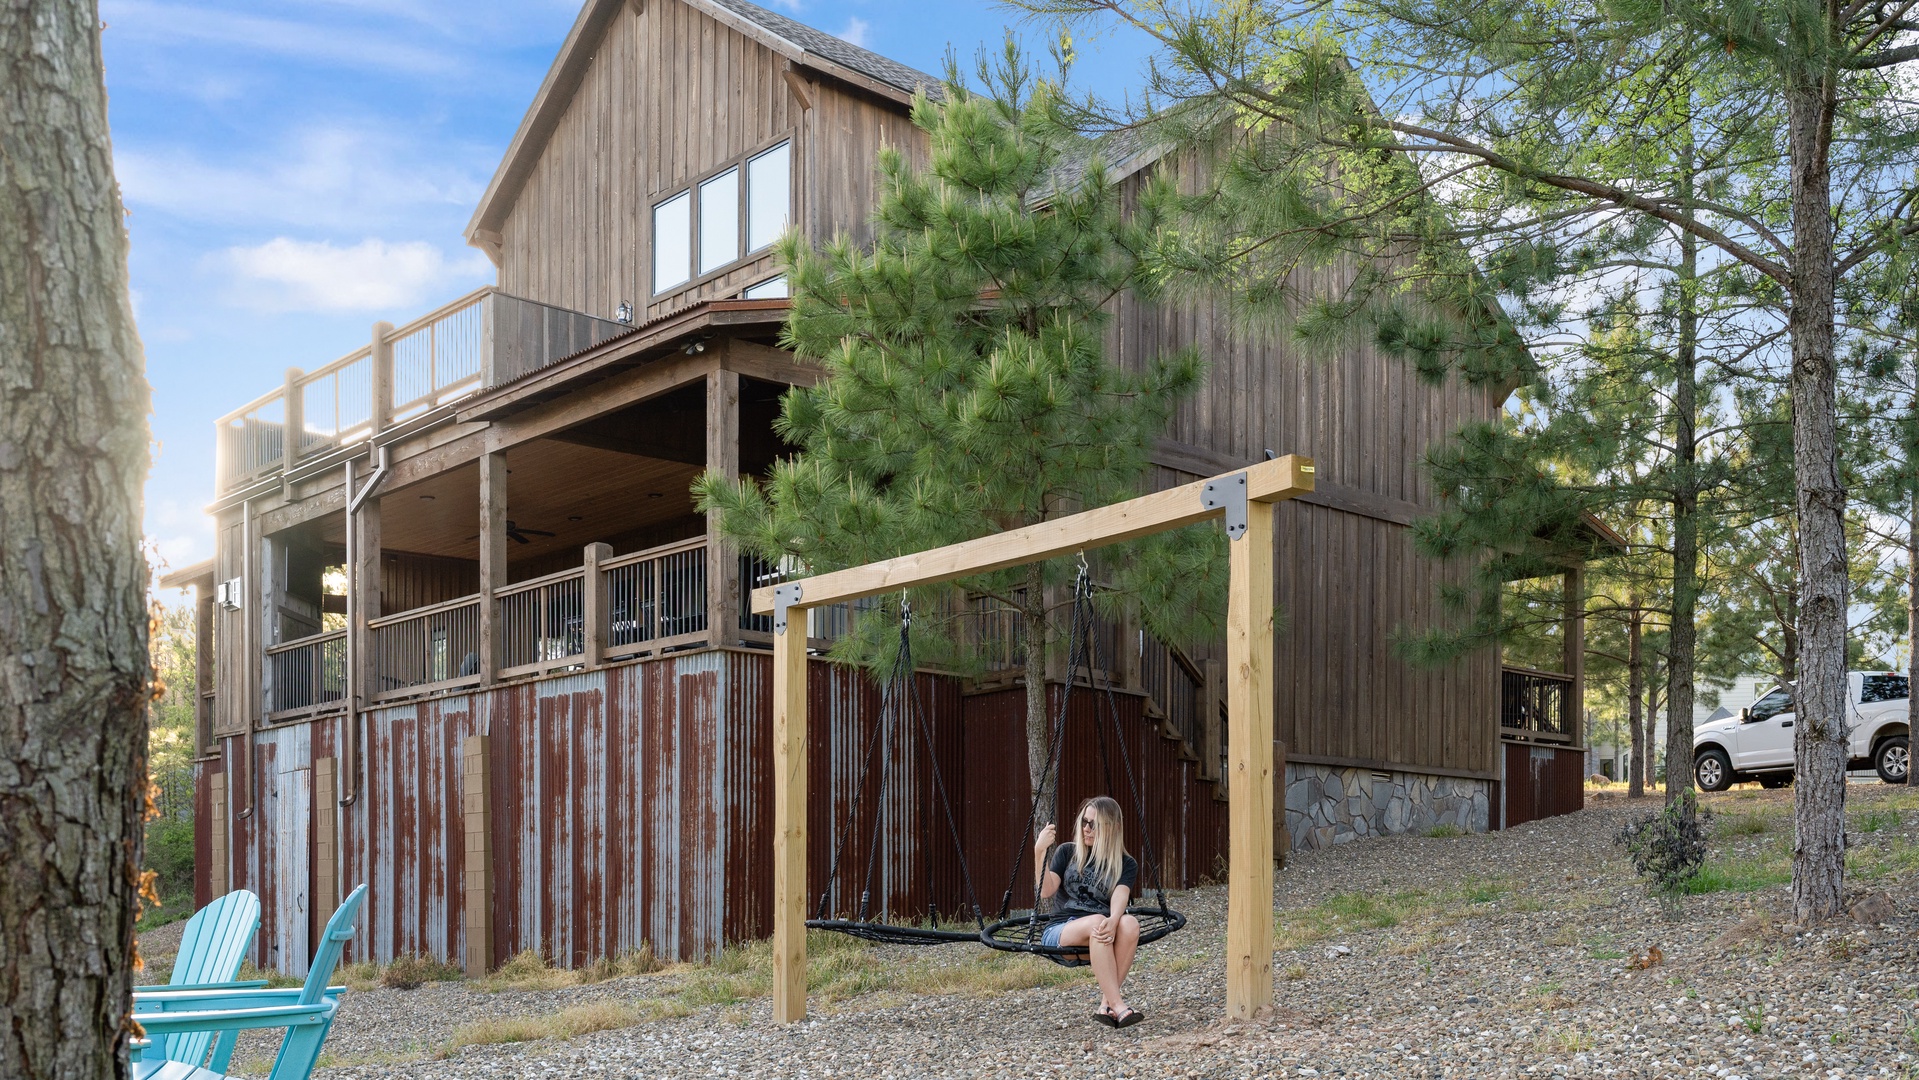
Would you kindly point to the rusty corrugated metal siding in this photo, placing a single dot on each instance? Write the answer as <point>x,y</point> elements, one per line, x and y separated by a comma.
<point>1541,782</point>
<point>632,804</point>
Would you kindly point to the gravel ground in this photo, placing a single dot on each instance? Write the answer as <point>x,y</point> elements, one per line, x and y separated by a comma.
<point>1515,954</point>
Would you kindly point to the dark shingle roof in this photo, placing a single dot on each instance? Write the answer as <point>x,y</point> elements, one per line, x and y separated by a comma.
<point>842,52</point>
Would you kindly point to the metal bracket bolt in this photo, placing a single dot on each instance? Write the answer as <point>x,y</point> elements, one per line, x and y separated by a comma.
<point>784,596</point>
<point>1227,493</point>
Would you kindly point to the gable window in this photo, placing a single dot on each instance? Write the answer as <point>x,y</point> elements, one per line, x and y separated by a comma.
<point>770,289</point>
<point>672,241</point>
<point>739,211</point>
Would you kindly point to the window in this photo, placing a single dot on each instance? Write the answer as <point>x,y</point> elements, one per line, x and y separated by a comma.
<point>1779,701</point>
<point>672,241</point>
<point>724,215</point>
<point>769,197</point>
<point>1883,688</point>
<point>719,220</point>
<point>770,289</point>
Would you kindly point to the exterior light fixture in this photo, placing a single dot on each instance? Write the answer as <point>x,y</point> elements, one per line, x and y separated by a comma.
<point>623,313</point>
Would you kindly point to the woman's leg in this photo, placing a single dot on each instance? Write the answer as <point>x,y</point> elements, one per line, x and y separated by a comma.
<point>1125,944</point>
<point>1079,934</point>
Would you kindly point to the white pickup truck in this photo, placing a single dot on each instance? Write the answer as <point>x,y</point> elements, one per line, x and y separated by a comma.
<point>1757,743</point>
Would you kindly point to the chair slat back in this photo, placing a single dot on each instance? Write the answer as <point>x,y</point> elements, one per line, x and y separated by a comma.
<point>216,940</point>
<point>339,930</point>
<point>212,948</point>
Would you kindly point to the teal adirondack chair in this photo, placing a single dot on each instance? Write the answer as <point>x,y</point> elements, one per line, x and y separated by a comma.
<point>305,1012</point>
<point>212,948</point>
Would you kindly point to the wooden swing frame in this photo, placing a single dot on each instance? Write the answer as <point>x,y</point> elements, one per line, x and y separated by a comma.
<point>1246,500</point>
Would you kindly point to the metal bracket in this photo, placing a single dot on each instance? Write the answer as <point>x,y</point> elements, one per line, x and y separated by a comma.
<point>1227,493</point>
<point>784,596</point>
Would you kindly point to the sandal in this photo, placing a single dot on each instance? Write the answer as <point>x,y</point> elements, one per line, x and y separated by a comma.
<point>1105,1017</point>
<point>1128,1018</point>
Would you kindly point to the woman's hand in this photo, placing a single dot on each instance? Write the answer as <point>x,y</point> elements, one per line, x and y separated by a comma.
<point>1045,842</point>
<point>1104,930</point>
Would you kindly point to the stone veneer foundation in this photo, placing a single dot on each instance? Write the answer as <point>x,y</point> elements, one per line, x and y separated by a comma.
<point>1327,805</point>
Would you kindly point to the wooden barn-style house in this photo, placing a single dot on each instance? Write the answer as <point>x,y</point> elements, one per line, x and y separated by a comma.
<point>465,638</point>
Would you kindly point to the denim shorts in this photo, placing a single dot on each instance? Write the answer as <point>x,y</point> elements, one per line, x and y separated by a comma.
<point>1051,940</point>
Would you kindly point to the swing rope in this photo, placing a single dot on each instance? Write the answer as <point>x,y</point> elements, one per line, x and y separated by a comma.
<point>1025,933</point>
<point>901,691</point>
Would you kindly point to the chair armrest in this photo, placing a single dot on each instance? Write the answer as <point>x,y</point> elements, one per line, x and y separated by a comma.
<point>136,1047</point>
<point>270,1016</point>
<point>204,1000</point>
<point>237,984</point>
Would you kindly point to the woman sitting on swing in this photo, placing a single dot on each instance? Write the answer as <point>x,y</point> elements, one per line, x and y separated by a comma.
<point>1097,878</point>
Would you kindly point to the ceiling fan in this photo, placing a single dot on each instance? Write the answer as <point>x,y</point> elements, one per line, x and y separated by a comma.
<point>524,536</point>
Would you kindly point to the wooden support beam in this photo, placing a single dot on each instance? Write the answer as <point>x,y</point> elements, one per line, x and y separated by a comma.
<point>326,836</point>
<point>1249,709</point>
<point>219,866</point>
<point>722,455</point>
<point>1574,643</point>
<point>1267,482</point>
<point>789,822</point>
<point>290,435</point>
<point>492,560</point>
<point>593,606</point>
<point>477,889</point>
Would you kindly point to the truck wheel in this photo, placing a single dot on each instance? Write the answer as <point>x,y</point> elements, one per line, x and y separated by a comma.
<point>1712,770</point>
<point>1893,760</point>
<point>1775,780</point>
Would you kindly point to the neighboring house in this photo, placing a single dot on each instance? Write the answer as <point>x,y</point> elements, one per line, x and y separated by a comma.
<point>466,640</point>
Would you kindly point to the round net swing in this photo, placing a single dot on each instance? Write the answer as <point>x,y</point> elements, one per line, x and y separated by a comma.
<point>1024,931</point>
<point>901,707</point>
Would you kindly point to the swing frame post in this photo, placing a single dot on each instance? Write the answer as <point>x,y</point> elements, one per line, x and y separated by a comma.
<point>1245,499</point>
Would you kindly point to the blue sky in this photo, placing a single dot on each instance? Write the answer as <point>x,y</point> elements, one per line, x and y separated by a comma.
<point>296,171</point>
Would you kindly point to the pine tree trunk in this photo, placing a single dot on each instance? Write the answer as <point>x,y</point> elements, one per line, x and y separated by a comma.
<point>73,619</point>
<point>1685,533</point>
<point>1636,769</point>
<point>1912,578</point>
<point>1819,749</point>
<point>1038,728</point>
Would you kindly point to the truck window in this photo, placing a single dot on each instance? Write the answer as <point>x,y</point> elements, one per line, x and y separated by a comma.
<point>1883,688</point>
<point>1779,701</point>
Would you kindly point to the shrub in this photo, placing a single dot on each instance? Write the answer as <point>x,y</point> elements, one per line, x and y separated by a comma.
<point>410,972</point>
<point>1667,847</point>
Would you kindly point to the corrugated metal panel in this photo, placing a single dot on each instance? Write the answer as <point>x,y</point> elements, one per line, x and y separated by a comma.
<point>1542,782</point>
<point>631,804</point>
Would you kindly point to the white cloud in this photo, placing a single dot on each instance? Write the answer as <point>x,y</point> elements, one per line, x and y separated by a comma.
<point>327,178</point>
<point>284,274</point>
<point>302,39</point>
<point>856,32</point>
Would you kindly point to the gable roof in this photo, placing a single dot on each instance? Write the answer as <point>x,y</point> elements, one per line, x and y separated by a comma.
<point>802,46</point>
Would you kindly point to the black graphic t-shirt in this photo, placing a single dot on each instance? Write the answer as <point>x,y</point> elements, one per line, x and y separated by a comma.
<point>1079,895</point>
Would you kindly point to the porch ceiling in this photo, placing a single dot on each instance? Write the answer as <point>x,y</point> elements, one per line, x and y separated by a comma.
<point>580,494</point>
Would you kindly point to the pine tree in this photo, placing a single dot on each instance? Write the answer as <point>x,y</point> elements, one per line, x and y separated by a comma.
<point>1516,102</point>
<point>966,390</point>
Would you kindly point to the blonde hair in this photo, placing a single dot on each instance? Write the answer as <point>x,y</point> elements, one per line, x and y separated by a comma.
<point>1103,861</point>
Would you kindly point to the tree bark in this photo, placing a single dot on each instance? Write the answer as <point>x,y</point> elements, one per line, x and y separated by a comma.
<point>1912,576</point>
<point>1819,745</point>
<point>1684,635</point>
<point>1636,720</point>
<point>1038,729</point>
<point>74,672</point>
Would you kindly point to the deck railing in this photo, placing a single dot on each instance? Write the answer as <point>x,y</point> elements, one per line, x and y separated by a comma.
<point>1177,687</point>
<point>429,648</point>
<point>485,338</point>
<point>543,623</point>
<point>306,674</point>
<point>655,599</point>
<point>1536,704</point>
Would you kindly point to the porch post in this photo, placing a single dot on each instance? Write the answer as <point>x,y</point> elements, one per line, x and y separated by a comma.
<point>291,434</point>
<point>723,455</point>
<point>492,558</point>
<point>1249,707</point>
<point>789,820</point>
<point>364,591</point>
<point>381,362</point>
<point>593,603</point>
<point>1574,640</point>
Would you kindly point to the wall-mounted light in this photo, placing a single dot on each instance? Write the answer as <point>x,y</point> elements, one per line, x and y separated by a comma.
<point>693,348</point>
<point>623,313</point>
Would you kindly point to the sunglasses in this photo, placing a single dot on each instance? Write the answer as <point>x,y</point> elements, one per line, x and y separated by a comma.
<point>1089,823</point>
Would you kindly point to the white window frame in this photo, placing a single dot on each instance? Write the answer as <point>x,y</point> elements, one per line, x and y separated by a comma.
<point>690,189</point>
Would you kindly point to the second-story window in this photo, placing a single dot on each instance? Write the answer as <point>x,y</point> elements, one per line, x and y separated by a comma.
<point>740,211</point>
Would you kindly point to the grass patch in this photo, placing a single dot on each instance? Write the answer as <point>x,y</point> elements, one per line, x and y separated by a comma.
<point>1745,823</point>
<point>569,1023</point>
<point>528,970</point>
<point>1737,875</point>
<point>1444,829</point>
<point>1870,863</point>
<point>1350,912</point>
<point>274,979</point>
<point>1873,821</point>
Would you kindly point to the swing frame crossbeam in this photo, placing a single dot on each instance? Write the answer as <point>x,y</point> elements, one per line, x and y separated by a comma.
<point>1249,700</point>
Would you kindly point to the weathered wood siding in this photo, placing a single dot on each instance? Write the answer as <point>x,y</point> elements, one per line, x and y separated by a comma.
<point>1347,577</point>
<point>670,96</point>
